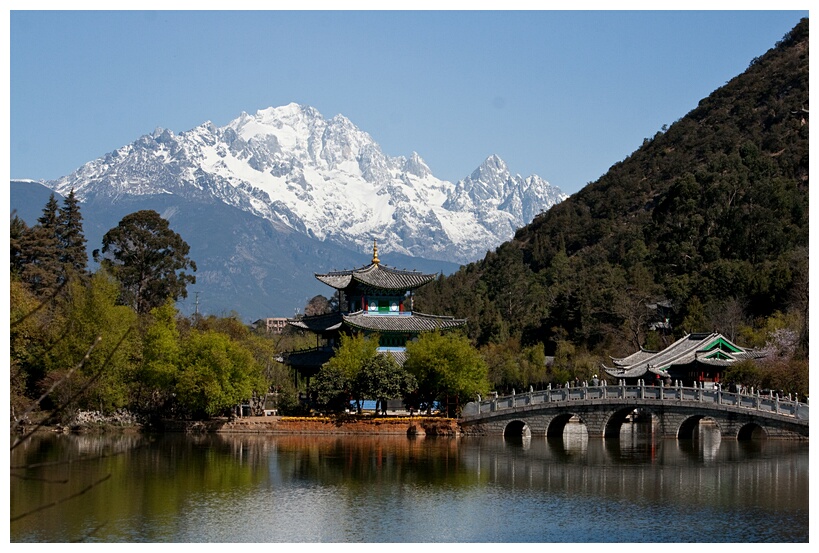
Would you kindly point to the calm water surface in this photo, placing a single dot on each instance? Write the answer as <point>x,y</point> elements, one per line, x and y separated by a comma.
<point>265,488</point>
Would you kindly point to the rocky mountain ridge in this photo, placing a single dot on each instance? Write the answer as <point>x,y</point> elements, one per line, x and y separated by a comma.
<point>324,178</point>
<point>272,198</point>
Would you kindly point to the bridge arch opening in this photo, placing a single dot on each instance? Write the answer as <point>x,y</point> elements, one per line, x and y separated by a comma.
<point>751,431</point>
<point>698,427</point>
<point>628,422</point>
<point>569,428</point>
<point>516,430</point>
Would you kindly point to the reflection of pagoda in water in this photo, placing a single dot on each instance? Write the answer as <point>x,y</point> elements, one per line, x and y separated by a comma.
<point>375,299</point>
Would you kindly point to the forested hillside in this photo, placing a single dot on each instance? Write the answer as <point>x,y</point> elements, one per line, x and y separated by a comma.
<point>704,227</point>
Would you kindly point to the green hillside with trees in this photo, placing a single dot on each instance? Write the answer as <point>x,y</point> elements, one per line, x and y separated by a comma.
<point>704,227</point>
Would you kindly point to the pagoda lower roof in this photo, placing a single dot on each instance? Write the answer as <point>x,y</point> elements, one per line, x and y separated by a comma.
<point>316,357</point>
<point>310,358</point>
<point>376,275</point>
<point>318,323</point>
<point>411,323</point>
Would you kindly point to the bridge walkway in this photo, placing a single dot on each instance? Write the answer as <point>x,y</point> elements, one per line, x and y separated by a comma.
<point>604,408</point>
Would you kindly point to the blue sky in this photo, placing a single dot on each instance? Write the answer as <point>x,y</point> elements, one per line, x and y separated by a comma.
<point>560,94</point>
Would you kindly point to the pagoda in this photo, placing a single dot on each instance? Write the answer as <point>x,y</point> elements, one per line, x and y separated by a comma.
<point>374,299</point>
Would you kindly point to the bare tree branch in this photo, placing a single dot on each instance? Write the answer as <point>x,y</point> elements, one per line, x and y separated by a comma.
<point>62,500</point>
<point>40,305</point>
<point>81,391</point>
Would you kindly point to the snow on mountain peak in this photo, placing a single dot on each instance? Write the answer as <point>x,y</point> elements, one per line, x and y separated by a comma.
<point>325,178</point>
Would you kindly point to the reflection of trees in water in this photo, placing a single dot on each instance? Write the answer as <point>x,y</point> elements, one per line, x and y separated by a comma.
<point>163,477</point>
<point>354,460</point>
<point>148,472</point>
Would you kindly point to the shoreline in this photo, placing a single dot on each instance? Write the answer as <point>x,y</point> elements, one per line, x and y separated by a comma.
<point>351,425</point>
<point>410,426</point>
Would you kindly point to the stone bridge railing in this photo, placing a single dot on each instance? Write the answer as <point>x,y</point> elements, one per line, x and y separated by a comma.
<point>753,401</point>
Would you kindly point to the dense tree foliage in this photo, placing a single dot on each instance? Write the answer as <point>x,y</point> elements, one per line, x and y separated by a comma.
<point>448,370</point>
<point>382,378</point>
<point>148,258</point>
<point>215,373</point>
<point>83,349</point>
<point>93,317</point>
<point>352,353</point>
<point>155,378</point>
<point>441,368</point>
<point>331,390</point>
<point>357,372</point>
<point>705,227</point>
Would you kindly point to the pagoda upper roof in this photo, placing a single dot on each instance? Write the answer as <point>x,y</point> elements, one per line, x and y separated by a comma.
<point>707,349</point>
<point>376,275</point>
<point>407,323</point>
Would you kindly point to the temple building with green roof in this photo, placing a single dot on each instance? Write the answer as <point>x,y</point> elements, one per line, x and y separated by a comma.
<point>695,359</point>
<point>375,299</point>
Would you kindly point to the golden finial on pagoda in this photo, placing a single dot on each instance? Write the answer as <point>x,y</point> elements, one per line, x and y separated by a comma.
<point>375,253</point>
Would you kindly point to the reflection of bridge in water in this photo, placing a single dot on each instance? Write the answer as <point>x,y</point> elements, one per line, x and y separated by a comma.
<point>676,410</point>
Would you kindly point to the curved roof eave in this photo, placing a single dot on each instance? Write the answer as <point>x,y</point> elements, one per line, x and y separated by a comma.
<point>414,323</point>
<point>377,276</point>
<point>318,323</point>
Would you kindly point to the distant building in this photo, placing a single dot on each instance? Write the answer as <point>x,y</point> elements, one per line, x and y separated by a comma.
<point>375,299</point>
<point>699,359</point>
<point>271,325</point>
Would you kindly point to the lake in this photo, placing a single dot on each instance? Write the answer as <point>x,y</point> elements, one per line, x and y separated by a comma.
<point>394,489</point>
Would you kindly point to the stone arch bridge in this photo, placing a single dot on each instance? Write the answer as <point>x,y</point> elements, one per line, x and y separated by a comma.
<point>677,411</point>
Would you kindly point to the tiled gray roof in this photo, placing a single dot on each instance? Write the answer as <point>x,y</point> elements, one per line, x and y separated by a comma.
<point>688,349</point>
<point>634,358</point>
<point>412,323</point>
<point>315,357</point>
<point>318,323</point>
<point>377,276</point>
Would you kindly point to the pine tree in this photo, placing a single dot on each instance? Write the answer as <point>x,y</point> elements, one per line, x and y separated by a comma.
<point>39,257</point>
<point>17,230</point>
<point>49,218</point>
<point>71,239</point>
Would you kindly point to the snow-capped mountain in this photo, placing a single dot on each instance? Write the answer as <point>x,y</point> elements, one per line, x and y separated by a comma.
<point>324,178</point>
